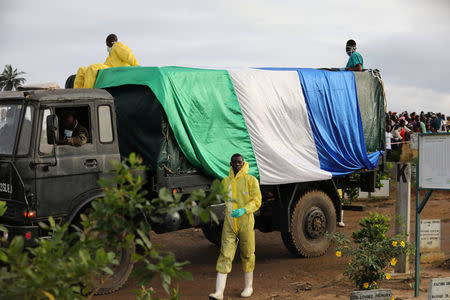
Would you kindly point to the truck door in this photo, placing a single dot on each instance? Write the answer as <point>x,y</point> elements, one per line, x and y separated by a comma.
<point>60,187</point>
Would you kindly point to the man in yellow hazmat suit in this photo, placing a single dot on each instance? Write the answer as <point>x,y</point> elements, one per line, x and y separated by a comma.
<point>119,56</point>
<point>238,226</point>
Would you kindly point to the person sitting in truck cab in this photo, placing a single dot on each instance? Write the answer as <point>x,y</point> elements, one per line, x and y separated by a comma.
<point>74,133</point>
<point>355,61</point>
<point>119,56</point>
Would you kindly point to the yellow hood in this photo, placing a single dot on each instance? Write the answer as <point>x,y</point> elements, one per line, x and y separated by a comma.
<point>242,172</point>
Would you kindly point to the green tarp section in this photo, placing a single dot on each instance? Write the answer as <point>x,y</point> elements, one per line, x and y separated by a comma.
<point>202,109</point>
<point>143,128</point>
<point>371,105</point>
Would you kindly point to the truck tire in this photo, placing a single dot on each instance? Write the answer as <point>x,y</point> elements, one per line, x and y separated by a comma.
<point>121,273</point>
<point>313,215</point>
<point>213,232</point>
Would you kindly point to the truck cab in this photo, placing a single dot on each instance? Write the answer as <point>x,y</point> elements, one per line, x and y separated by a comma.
<point>40,177</point>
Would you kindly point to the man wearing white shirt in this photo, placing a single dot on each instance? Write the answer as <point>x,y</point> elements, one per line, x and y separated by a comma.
<point>389,136</point>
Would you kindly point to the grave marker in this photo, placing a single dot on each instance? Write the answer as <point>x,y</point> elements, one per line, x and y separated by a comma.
<point>371,294</point>
<point>430,235</point>
<point>439,288</point>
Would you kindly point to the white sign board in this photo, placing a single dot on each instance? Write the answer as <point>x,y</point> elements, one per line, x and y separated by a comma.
<point>434,161</point>
<point>439,288</point>
<point>430,234</point>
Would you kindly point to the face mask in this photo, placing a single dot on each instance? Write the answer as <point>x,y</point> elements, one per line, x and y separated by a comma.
<point>352,49</point>
<point>108,49</point>
<point>68,133</point>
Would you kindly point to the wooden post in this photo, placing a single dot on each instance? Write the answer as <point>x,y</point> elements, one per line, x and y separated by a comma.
<point>403,210</point>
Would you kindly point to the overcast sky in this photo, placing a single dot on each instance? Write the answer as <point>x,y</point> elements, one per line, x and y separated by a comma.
<point>407,40</point>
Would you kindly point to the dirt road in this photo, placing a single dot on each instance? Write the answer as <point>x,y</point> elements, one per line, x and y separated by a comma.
<point>280,275</point>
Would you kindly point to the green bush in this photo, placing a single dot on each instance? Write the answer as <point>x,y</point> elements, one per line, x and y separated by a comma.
<point>373,228</point>
<point>72,263</point>
<point>371,254</point>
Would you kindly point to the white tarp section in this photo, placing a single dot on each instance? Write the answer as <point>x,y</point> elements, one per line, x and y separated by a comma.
<point>274,110</point>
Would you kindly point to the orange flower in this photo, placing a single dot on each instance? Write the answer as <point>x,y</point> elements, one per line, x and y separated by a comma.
<point>366,285</point>
<point>394,243</point>
<point>338,253</point>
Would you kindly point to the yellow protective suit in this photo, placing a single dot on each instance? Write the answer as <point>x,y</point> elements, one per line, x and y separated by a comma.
<point>119,56</point>
<point>245,190</point>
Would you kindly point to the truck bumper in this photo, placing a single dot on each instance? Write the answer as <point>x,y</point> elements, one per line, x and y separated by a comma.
<point>29,233</point>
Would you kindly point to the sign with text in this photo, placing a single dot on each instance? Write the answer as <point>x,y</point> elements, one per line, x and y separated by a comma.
<point>439,288</point>
<point>434,161</point>
<point>372,295</point>
<point>430,234</point>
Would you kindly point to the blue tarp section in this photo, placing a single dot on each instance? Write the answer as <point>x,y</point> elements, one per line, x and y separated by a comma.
<point>333,111</point>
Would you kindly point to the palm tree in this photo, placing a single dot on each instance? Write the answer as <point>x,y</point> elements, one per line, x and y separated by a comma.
<point>9,79</point>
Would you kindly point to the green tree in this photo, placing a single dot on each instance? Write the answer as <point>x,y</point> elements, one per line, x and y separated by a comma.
<point>9,79</point>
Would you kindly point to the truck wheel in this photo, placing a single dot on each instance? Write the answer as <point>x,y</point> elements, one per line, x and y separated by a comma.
<point>313,215</point>
<point>121,272</point>
<point>213,232</point>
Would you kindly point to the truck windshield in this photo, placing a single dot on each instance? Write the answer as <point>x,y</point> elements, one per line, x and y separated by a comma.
<point>9,123</point>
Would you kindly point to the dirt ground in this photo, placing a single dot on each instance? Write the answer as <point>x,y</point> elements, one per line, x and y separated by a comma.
<point>280,275</point>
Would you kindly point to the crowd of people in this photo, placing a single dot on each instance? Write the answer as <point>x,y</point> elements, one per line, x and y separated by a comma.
<point>400,126</point>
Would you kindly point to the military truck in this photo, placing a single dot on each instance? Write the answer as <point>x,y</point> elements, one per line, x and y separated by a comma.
<point>39,178</point>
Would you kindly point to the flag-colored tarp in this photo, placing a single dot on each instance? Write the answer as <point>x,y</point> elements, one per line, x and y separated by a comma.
<point>202,110</point>
<point>291,126</point>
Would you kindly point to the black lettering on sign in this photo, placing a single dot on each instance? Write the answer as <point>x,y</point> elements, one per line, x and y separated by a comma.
<point>401,172</point>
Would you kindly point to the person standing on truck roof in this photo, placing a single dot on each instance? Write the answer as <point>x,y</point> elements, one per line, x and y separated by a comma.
<point>238,226</point>
<point>355,61</point>
<point>119,56</point>
<point>74,133</point>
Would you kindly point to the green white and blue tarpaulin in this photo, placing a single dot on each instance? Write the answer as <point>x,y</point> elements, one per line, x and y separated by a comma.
<point>291,125</point>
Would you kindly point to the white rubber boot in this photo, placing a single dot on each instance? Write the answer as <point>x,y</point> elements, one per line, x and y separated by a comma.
<point>248,290</point>
<point>220,287</point>
<point>341,223</point>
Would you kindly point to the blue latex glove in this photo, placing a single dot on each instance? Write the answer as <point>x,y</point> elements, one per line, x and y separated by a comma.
<point>236,213</point>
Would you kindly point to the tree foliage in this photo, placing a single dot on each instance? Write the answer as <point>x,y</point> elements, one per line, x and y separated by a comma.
<point>72,263</point>
<point>10,80</point>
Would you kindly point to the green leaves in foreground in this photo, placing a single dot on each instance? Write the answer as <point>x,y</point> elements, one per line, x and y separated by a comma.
<point>74,260</point>
<point>62,266</point>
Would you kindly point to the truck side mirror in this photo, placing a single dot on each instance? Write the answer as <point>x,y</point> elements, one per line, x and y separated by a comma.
<point>52,127</point>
